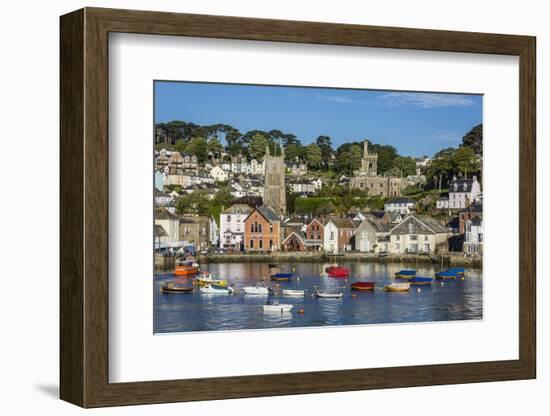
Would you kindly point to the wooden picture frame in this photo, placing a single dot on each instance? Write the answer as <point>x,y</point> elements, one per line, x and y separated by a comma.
<point>84,207</point>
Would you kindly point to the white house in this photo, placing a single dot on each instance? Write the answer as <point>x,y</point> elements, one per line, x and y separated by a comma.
<point>159,180</point>
<point>418,234</point>
<point>462,193</point>
<point>169,223</point>
<point>219,174</point>
<point>256,167</point>
<point>181,180</point>
<point>214,232</point>
<point>318,183</point>
<point>237,190</point>
<point>337,235</point>
<point>226,166</point>
<point>232,225</point>
<point>162,199</point>
<point>401,205</point>
<point>473,236</point>
<point>372,235</point>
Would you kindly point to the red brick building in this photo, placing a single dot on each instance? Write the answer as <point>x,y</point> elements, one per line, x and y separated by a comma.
<point>314,234</point>
<point>262,230</point>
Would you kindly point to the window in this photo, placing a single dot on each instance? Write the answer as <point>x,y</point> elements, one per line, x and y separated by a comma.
<point>414,237</point>
<point>251,243</point>
<point>271,228</point>
<point>412,227</point>
<point>426,238</point>
<point>332,235</point>
<point>270,244</point>
<point>229,218</point>
<point>260,243</point>
<point>397,246</point>
<point>426,247</point>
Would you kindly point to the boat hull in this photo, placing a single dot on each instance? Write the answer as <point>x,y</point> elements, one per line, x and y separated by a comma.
<point>278,308</point>
<point>176,290</point>
<point>398,287</point>
<point>186,270</point>
<point>294,293</point>
<point>363,286</point>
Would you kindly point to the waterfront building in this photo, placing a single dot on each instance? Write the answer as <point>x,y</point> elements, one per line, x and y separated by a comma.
<point>169,223</point>
<point>338,234</point>
<point>195,230</point>
<point>256,167</point>
<point>290,224</point>
<point>302,186</point>
<point>232,226</point>
<point>295,241</point>
<point>462,193</point>
<point>473,236</point>
<point>367,178</point>
<point>401,205</point>
<point>418,234</point>
<point>274,182</point>
<point>262,230</point>
<point>372,236</point>
<point>315,235</point>
<point>214,232</point>
<point>475,210</point>
<point>180,179</point>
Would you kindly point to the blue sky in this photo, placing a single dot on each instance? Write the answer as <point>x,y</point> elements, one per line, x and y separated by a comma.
<point>415,123</point>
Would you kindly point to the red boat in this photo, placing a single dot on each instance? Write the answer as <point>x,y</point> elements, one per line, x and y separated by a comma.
<point>336,271</point>
<point>362,286</point>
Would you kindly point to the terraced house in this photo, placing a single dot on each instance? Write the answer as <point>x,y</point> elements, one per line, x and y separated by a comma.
<point>418,234</point>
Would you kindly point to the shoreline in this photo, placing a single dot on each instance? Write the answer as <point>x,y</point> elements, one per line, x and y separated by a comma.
<point>301,257</point>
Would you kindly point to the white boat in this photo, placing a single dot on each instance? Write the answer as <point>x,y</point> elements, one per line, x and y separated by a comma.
<point>259,289</point>
<point>335,294</point>
<point>294,292</point>
<point>278,307</point>
<point>209,289</point>
<point>398,287</point>
<point>206,279</point>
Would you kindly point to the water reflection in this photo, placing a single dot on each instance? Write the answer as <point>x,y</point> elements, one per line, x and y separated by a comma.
<point>452,300</point>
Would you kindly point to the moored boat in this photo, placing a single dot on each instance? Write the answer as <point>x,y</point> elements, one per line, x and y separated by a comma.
<point>446,274</point>
<point>457,270</point>
<point>419,280</point>
<point>339,272</point>
<point>216,290</point>
<point>259,289</point>
<point>294,292</point>
<point>171,287</point>
<point>363,286</point>
<point>329,293</point>
<point>186,268</point>
<point>405,273</point>
<point>206,279</point>
<point>281,277</point>
<point>278,307</point>
<point>397,287</point>
<point>329,268</point>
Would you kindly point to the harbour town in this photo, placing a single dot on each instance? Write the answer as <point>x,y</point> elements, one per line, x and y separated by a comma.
<point>286,235</point>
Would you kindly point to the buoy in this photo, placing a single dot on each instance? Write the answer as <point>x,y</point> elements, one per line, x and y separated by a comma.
<point>353,296</point>
<point>298,279</point>
<point>442,283</point>
<point>301,311</point>
<point>294,269</point>
<point>419,290</point>
<point>461,278</point>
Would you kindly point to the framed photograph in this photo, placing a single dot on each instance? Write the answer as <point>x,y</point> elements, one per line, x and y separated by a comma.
<point>255,207</point>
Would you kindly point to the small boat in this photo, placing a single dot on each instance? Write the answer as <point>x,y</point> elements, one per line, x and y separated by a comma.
<point>216,290</point>
<point>339,272</point>
<point>446,275</point>
<point>259,289</point>
<point>329,268</point>
<point>328,293</point>
<point>278,307</point>
<point>418,280</point>
<point>397,287</point>
<point>281,277</point>
<point>406,273</point>
<point>362,286</point>
<point>457,270</point>
<point>206,279</point>
<point>186,268</point>
<point>171,287</point>
<point>294,292</point>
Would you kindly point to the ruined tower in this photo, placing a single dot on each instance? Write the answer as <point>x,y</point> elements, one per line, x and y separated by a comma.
<point>274,182</point>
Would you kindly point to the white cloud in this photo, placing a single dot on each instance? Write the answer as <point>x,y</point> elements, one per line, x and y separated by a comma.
<point>425,100</point>
<point>339,99</point>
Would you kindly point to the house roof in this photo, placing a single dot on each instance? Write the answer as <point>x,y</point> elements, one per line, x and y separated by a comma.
<point>476,220</point>
<point>159,231</point>
<point>393,215</point>
<point>238,208</point>
<point>378,225</point>
<point>463,185</point>
<point>342,223</point>
<point>160,193</point>
<point>299,234</point>
<point>431,223</point>
<point>163,214</point>
<point>268,213</point>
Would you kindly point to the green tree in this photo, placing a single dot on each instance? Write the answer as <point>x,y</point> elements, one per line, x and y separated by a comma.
<point>325,144</point>
<point>441,168</point>
<point>474,139</point>
<point>257,146</point>
<point>405,165</point>
<point>214,146</point>
<point>348,158</point>
<point>313,156</point>
<point>180,145</point>
<point>295,151</point>
<point>465,161</point>
<point>199,147</point>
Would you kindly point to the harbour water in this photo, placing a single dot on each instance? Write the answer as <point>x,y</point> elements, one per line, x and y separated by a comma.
<point>449,300</point>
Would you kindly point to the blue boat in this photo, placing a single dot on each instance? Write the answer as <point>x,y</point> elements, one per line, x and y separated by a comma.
<point>419,280</point>
<point>457,270</point>
<point>446,275</point>
<point>406,273</point>
<point>281,276</point>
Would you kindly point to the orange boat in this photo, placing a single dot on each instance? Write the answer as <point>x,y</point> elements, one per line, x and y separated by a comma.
<point>187,268</point>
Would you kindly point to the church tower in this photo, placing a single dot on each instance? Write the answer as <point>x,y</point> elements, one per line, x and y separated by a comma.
<point>369,162</point>
<point>274,182</point>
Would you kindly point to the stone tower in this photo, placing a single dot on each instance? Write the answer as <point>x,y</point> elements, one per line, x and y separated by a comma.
<point>274,182</point>
<point>369,162</point>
